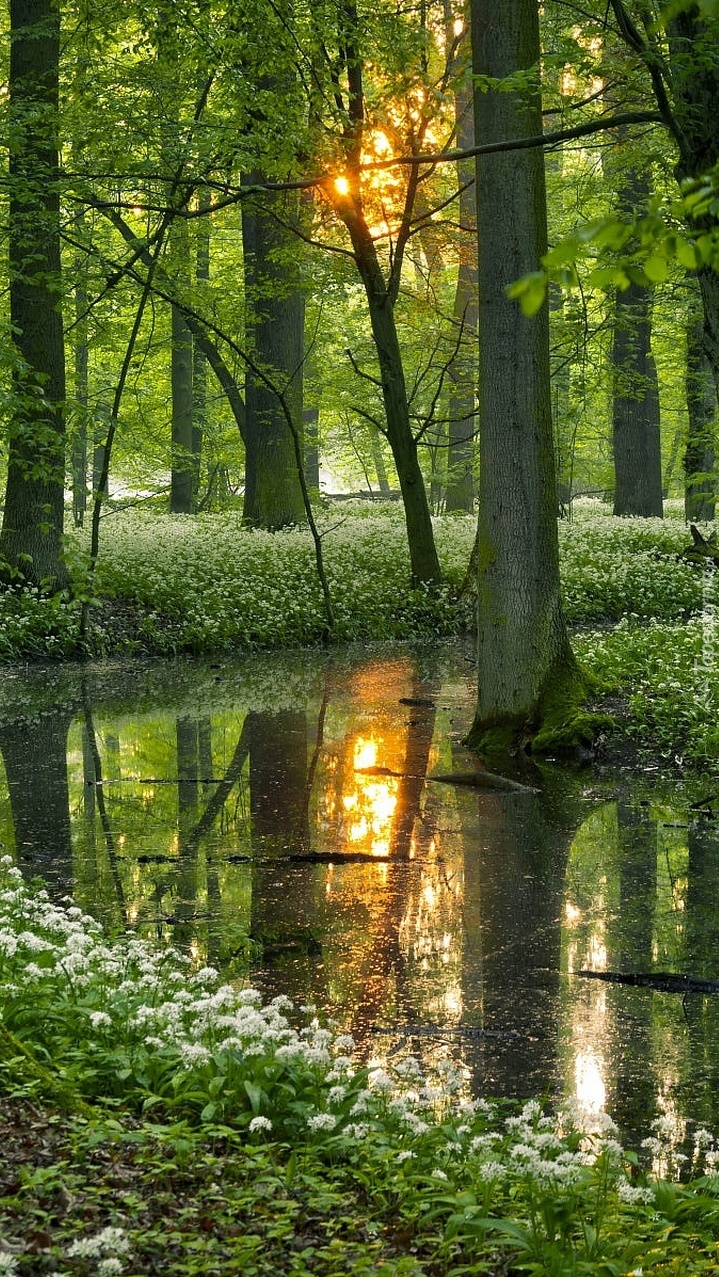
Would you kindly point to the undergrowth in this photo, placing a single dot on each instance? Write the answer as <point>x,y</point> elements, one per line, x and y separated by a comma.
<point>227,1136</point>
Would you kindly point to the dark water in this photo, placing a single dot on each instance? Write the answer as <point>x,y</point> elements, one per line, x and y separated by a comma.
<point>286,799</point>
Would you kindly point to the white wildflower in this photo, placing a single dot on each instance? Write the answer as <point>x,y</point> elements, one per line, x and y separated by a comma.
<point>100,1019</point>
<point>260,1124</point>
<point>322,1122</point>
<point>110,1267</point>
<point>343,1042</point>
<point>633,1193</point>
<point>108,1241</point>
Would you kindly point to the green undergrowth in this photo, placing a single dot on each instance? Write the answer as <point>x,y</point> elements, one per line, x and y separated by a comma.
<point>214,1134</point>
<point>668,677</point>
<point>172,584</point>
<point>169,584</point>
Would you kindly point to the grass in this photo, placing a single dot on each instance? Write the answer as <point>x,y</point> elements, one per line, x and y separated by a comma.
<point>213,1134</point>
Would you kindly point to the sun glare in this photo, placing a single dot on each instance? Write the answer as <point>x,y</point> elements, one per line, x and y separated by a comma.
<point>342,186</point>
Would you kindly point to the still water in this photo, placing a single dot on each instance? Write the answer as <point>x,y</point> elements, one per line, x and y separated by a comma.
<point>281,817</point>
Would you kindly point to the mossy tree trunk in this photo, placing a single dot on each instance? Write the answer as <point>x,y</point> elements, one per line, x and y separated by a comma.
<point>525,663</point>
<point>32,529</point>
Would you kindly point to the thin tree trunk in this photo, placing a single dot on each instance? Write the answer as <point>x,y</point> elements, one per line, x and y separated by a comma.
<point>181,479</point>
<point>199,357</point>
<point>699,457</point>
<point>33,521</point>
<point>82,353</point>
<point>464,367</point>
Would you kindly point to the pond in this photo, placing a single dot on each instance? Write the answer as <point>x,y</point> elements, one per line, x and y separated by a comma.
<point>294,819</point>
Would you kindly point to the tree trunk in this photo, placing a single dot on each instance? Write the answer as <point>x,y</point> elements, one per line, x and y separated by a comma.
<point>463,370</point>
<point>199,357</point>
<point>699,457</point>
<point>82,353</point>
<point>636,436</point>
<point>181,479</point>
<point>420,534</point>
<point>274,334</point>
<point>310,421</point>
<point>31,537</point>
<point>527,672</point>
<point>378,462</point>
<point>693,44</point>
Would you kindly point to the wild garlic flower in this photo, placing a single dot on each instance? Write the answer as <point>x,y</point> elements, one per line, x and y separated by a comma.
<point>260,1123</point>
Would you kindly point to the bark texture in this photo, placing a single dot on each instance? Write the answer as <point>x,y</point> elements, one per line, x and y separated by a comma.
<point>274,333</point>
<point>636,437</point>
<point>463,370</point>
<point>31,537</point>
<point>699,457</point>
<point>525,662</point>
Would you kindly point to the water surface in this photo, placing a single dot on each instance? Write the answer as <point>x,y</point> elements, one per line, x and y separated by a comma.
<point>277,817</point>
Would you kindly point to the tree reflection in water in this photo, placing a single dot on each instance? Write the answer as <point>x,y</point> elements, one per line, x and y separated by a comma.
<point>305,817</point>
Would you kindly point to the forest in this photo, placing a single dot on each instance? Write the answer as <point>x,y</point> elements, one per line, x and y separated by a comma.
<point>386,333</point>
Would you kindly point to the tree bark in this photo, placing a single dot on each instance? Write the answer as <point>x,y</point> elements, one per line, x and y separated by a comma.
<point>636,437</point>
<point>463,370</point>
<point>82,359</point>
<point>181,478</point>
<point>694,64</point>
<point>699,457</point>
<point>380,303</point>
<point>33,521</point>
<point>525,663</point>
<point>274,333</point>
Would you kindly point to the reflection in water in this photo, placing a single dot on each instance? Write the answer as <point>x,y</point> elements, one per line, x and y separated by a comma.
<point>294,808</point>
<point>34,751</point>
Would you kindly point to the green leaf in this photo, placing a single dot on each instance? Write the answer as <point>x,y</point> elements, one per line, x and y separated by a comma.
<point>656,268</point>
<point>686,255</point>
<point>254,1094</point>
<point>530,292</point>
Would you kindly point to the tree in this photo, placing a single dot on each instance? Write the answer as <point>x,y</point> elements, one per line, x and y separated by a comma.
<point>463,369</point>
<point>33,520</point>
<point>525,664</point>
<point>349,197</point>
<point>636,435</point>
<point>274,330</point>
<point>700,454</point>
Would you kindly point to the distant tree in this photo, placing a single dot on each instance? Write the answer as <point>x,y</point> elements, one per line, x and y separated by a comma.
<point>636,437</point>
<point>700,453</point>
